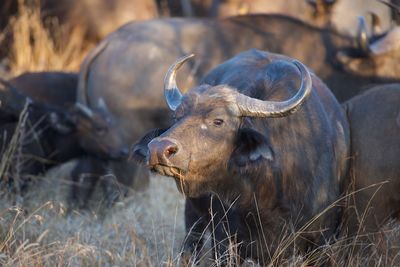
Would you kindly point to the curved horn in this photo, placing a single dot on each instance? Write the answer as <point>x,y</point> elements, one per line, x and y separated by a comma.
<point>253,107</point>
<point>84,73</point>
<point>84,110</point>
<point>362,36</point>
<point>173,95</point>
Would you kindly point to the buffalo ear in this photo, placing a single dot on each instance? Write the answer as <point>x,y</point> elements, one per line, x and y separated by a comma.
<point>139,150</point>
<point>251,147</point>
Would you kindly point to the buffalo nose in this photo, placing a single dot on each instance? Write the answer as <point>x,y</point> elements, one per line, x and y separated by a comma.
<point>161,150</point>
<point>170,150</point>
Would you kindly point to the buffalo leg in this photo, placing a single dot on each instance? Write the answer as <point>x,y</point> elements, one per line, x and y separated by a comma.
<point>208,213</point>
<point>85,177</point>
<point>197,217</point>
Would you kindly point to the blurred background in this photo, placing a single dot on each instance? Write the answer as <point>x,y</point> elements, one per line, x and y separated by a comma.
<point>56,34</point>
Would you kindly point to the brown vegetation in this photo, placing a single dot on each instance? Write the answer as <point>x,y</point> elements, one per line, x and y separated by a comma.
<point>39,47</point>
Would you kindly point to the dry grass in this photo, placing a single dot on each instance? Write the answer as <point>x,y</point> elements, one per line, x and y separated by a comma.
<point>146,229</point>
<point>39,47</point>
<point>12,154</point>
<point>137,232</point>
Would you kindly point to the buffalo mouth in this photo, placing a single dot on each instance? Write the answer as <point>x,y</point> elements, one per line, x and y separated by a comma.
<point>168,171</point>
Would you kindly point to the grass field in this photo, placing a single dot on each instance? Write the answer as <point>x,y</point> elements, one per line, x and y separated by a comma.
<point>144,229</point>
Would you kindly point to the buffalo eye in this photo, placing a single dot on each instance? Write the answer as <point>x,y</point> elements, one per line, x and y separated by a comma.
<point>218,122</point>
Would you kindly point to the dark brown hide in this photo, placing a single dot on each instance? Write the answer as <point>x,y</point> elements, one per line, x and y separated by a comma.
<point>271,172</point>
<point>375,150</point>
<point>45,135</point>
<point>52,95</point>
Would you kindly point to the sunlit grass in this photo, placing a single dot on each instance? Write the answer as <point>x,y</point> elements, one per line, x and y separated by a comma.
<point>39,47</point>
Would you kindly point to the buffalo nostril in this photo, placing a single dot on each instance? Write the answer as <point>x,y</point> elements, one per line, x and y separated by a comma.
<point>170,150</point>
<point>161,150</point>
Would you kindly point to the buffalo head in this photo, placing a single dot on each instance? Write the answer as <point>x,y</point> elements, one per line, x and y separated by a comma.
<point>375,57</point>
<point>94,124</point>
<point>90,126</point>
<point>211,131</point>
<point>98,132</point>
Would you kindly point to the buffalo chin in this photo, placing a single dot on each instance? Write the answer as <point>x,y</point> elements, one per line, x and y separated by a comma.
<point>189,189</point>
<point>187,184</point>
<point>168,171</point>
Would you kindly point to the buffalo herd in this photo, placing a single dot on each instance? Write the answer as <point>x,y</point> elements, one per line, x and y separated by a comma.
<point>273,122</point>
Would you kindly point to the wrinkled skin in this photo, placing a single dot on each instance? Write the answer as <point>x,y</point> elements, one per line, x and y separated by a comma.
<point>267,171</point>
<point>375,150</point>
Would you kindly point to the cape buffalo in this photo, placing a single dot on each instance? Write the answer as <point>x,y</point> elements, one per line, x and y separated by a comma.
<point>45,138</point>
<point>50,94</point>
<point>379,57</point>
<point>274,154</point>
<point>338,14</point>
<point>119,95</point>
<point>375,157</point>
<point>116,88</point>
<point>53,128</point>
